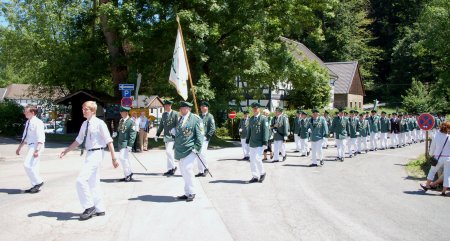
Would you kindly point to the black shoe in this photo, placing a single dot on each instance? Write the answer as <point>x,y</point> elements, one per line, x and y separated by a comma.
<point>307,153</point>
<point>129,178</point>
<point>168,173</point>
<point>253,180</point>
<point>424,187</point>
<point>312,165</point>
<point>190,198</point>
<point>296,151</point>
<point>366,151</point>
<point>184,197</point>
<point>303,155</point>
<point>87,214</point>
<point>100,213</point>
<point>35,189</point>
<point>247,158</point>
<point>40,184</point>
<point>199,174</point>
<point>350,156</point>
<point>206,172</point>
<point>284,158</point>
<point>275,161</point>
<point>122,179</point>
<point>262,177</point>
<point>321,162</point>
<point>358,152</point>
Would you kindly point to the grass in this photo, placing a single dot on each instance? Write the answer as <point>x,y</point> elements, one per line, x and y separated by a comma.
<point>418,168</point>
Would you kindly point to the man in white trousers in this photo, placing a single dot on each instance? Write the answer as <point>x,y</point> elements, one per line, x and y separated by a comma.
<point>243,129</point>
<point>374,123</point>
<point>188,144</point>
<point>280,131</point>
<point>125,139</point>
<point>297,131</point>
<point>209,126</point>
<point>93,137</point>
<point>34,137</point>
<point>317,126</point>
<point>340,129</point>
<point>395,131</point>
<point>304,134</point>
<point>257,139</point>
<point>385,128</point>
<point>352,134</point>
<point>167,127</point>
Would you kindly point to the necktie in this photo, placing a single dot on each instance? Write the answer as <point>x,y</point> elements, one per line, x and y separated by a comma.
<point>83,144</point>
<point>26,131</point>
<point>180,121</point>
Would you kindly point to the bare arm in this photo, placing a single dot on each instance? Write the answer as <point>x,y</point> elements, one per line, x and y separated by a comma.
<point>70,148</point>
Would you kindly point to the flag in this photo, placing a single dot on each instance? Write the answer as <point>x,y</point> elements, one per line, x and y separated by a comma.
<point>375,104</point>
<point>178,70</point>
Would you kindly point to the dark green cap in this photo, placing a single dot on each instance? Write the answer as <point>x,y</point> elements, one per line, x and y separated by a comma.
<point>279,109</point>
<point>373,111</point>
<point>245,112</point>
<point>315,111</point>
<point>205,103</point>
<point>255,105</point>
<point>383,112</point>
<point>185,104</point>
<point>167,102</point>
<point>124,109</point>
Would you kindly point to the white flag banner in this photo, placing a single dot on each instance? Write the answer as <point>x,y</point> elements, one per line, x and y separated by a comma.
<point>178,71</point>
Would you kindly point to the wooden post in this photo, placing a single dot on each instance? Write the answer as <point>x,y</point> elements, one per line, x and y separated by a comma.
<point>187,64</point>
<point>232,129</point>
<point>426,144</point>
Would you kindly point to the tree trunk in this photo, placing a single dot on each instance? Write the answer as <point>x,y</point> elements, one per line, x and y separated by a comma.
<point>119,71</point>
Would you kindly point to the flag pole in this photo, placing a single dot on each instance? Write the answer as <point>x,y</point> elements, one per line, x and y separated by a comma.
<point>187,64</point>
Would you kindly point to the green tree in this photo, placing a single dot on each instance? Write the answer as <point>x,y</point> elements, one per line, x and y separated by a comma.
<point>417,98</point>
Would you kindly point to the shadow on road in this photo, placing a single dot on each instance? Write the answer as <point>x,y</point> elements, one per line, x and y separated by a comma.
<point>11,191</point>
<point>415,178</point>
<point>148,174</point>
<point>419,192</point>
<point>60,216</point>
<point>295,165</point>
<point>113,180</point>
<point>229,181</point>
<point>157,199</point>
<point>232,159</point>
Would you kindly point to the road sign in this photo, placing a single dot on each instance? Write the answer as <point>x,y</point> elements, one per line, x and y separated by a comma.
<point>426,122</point>
<point>126,93</point>
<point>232,114</point>
<point>126,86</point>
<point>126,102</point>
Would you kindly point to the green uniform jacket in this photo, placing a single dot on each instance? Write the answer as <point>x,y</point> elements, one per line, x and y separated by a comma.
<point>353,127</point>
<point>188,136</point>
<point>329,121</point>
<point>340,127</point>
<point>416,124</point>
<point>243,124</point>
<point>126,134</point>
<point>258,131</point>
<point>209,125</point>
<point>304,126</point>
<point>410,124</point>
<point>374,123</point>
<point>403,125</point>
<point>437,122</point>
<point>280,127</point>
<point>168,122</point>
<point>363,128</point>
<point>296,125</point>
<point>318,127</point>
<point>385,125</point>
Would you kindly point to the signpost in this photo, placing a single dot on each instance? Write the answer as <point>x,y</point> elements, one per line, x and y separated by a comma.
<point>426,123</point>
<point>232,115</point>
<point>126,101</point>
<point>126,86</point>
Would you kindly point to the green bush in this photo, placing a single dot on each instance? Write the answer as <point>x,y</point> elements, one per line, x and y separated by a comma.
<point>11,119</point>
<point>222,132</point>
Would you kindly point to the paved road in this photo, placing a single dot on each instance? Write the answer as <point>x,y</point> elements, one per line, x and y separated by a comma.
<point>369,197</point>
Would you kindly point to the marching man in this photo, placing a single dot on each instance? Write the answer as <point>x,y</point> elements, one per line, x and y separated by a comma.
<point>243,129</point>
<point>303,134</point>
<point>297,131</point>
<point>340,128</point>
<point>257,138</point>
<point>188,144</point>
<point>280,134</point>
<point>374,122</point>
<point>168,126</point>
<point>126,138</point>
<point>210,128</point>
<point>93,137</point>
<point>34,137</point>
<point>318,128</point>
<point>385,128</point>
<point>353,133</point>
<point>363,131</point>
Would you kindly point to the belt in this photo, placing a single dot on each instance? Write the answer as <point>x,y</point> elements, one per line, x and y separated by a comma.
<point>96,149</point>
<point>30,143</point>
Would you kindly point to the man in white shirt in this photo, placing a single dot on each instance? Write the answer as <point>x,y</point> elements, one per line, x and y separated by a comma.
<point>94,137</point>
<point>143,131</point>
<point>34,137</point>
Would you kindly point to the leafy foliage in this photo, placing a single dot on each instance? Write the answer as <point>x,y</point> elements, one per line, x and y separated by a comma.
<point>11,118</point>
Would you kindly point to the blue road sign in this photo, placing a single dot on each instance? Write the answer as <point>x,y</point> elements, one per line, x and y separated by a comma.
<point>126,86</point>
<point>126,93</point>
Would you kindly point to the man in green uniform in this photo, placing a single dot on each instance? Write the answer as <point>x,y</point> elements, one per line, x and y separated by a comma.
<point>304,134</point>
<point>243,129</point>
<point>363,131</point>
<point>352,133</point>
<point>257,138</point>
<point>125,140</point>
<point>188,143</point>
<point>209,128</point>
<point>318,128</point>
<point>327,117</point>
<point>340,128</point>
<point>374,122</point>
<point>403,130</point>
<point>297,130</point>
<point>168,126</point>
<point>385,128</point>
<point>280,131</point>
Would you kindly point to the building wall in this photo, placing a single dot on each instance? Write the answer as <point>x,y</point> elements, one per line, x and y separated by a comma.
<point>340,100</point>
<point>355,101</point>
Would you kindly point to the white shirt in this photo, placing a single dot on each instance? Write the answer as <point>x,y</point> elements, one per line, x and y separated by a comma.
<point>34,131</point>
<point>438,143</point>
<point>97,136</point>
<point>136,123</point>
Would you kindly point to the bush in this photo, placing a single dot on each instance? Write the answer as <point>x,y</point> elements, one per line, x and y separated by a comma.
<point>222,132</point>
<point>11,119</point>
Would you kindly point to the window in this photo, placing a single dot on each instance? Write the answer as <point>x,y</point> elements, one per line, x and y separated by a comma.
<point>360,105</point>
<point>351,104</point>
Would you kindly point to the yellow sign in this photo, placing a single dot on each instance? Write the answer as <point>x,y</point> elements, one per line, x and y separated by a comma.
<point>53,114</point>
<point>138,113</point>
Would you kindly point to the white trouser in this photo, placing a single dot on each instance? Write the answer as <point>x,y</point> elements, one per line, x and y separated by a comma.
<point>421,135</point>
<point>362,141</point>
<point>125,161</point>
<point>373,140</point>
<point>408,137</point>
<point>443,161</point>
<point>325,142</point>
<point>304,147</point>
<point>297,142</point>
<point>245,148</point>
<point>31,164</point>
<point>340,145</point>
<point>256,165</point>
<point>278,146</point>
<point>402,138</point>
<point>88,182</point>
<point>202,154</point>
<point>383,140</point>
<point>351,146</point>
<point>187,171</point>
<point>169,153</point>
<point>415,134</point>
<point>316,151</point>
<point>394,139</point>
